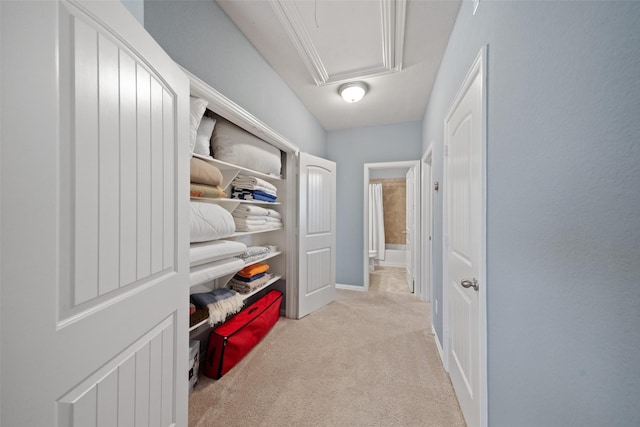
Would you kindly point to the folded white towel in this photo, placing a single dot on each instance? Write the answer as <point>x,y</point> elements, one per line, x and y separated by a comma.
<point>273,213</point>
<point>240,221</point>
<point>254,180</point>
<point>250,210</point>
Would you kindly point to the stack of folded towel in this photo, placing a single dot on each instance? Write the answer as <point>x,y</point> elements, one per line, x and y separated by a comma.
<point>250,278</point>
<point>220,302</point>
<point>253,253</point>
<point>253,188</point>
<point>256,218</point>
<point>205,180</point>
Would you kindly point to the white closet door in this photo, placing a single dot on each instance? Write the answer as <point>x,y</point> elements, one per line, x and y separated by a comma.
<point>94,246</point>
<point>317,233</point>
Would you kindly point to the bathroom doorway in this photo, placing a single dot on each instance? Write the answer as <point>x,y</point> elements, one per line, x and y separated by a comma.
<point>392,226</point>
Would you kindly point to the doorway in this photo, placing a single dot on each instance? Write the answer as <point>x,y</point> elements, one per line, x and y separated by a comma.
<point>426,224</point>
<point>397,253</point>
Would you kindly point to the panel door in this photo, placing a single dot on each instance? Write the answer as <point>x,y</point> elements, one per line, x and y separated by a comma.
<point>317,233</point>
<point>94,220</point>
<point>464,186</point>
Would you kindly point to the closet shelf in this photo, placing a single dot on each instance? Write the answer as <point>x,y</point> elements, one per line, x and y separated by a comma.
<point>245,297</point>
<point>228,167</point>
<point>271,281</point>
<point>264,258</point>
<point>247,233</point>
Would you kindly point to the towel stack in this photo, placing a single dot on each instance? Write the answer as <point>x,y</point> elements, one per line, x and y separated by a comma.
<point>253,188</point>
<point>256,218</point>
<point>250,278</point>
<point>205,180</point>
<point>254,253</point>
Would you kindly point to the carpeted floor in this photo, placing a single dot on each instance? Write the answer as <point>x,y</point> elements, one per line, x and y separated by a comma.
<point>367,359</point>
<point>390,279</point>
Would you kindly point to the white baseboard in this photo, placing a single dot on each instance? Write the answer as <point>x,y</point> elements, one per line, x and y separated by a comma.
<point>350,287</point>
<point>438,346</point>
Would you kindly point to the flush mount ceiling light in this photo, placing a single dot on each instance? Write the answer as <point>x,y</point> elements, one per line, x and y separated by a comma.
<point>353,92</point>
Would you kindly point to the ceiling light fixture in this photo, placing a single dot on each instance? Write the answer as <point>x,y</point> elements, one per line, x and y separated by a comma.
<point>353,92</point>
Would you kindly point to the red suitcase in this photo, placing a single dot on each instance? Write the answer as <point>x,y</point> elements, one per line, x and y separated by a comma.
<point>231,341</point>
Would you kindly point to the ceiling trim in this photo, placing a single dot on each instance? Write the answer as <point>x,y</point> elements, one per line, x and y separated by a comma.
<point>393,31</point>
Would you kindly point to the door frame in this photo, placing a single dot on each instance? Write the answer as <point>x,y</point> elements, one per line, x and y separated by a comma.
<point>479,67</point>
<point>368,167</point>
<point>426,226</point>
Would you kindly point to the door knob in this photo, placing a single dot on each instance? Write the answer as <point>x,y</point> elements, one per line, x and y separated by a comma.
<point>473,283</point>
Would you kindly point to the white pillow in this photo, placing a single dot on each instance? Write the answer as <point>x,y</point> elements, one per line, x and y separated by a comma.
<point>233,144</point>
<point>203,138</point>
<point>197,107</point>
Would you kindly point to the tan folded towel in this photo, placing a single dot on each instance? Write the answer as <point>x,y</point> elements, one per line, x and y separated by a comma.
<point>205,173</point>
<point>200,190</point>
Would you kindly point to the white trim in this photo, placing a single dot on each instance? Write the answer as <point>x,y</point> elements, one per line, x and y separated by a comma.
<point>238,115</point>
<point>438,346</point>
<point>479,67</point>
<point>350,287</point>
<point>365,214</point>
<point>393,13</point>
<point>427,228</point>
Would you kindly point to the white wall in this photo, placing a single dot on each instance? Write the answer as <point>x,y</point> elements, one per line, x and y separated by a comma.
<point>351,149</point>
<point>563,202</point>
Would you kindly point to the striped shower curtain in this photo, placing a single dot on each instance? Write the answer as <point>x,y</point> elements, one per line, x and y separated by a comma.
<point>376,221</point>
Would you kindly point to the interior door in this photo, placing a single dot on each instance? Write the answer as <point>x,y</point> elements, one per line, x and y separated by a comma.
<point>317,233</point>
<point>465,206</point>
<point>94,232</point>
<point>410,264</point>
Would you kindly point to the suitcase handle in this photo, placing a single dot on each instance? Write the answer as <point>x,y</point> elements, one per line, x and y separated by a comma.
<point>252,310</point>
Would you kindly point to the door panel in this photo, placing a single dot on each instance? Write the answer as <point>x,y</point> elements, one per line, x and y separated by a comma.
<point>94,237</point>
<point>465,192</point>
<point>317,237</point>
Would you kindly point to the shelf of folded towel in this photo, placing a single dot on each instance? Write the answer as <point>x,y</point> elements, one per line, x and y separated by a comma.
<point>230,171</point>
<point>234,302</point>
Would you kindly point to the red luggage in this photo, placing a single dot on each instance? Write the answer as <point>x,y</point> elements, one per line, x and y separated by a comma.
<point>231,341</point>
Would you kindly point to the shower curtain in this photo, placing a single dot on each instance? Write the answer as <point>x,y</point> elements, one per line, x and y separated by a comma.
<point>376,221</point>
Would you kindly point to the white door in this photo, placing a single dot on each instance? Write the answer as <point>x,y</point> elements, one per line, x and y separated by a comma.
<point>317,233</point>
<point>426,226</point>
<point>94,220</point>
<point>410,230</point>
<point>464,142</point>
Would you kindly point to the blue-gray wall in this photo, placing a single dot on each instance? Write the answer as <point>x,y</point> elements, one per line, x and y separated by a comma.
<point>351,149</point>
<point>200,36</point>
<point>563,182</point>
<point>136,7</point>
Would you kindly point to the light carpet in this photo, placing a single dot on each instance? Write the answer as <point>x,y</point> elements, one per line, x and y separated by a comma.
<point>367,359</point>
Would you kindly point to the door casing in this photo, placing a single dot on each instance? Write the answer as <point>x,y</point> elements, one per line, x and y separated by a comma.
<point>479,66</point>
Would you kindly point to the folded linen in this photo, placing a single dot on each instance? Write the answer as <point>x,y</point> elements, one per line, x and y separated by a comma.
<point>254,188</point>
<point>220,302</point>
<point>251,217</point>
<point>251,210</point>
<point>273,213</point>
<point>252,228</point>
<point>253,269</point>
<point>246,287</point>
<point>273,220</point>
<point>254,180</point>
<point>202,190</point>
<point>249,279</point>
<point>242,222</point>
<point>252,195</point>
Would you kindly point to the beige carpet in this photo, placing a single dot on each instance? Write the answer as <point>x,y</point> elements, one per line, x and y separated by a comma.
<point>367,359</point>
<point>390,279</point>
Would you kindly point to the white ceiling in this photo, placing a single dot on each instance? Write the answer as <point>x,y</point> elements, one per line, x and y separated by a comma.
<point>395,46</point>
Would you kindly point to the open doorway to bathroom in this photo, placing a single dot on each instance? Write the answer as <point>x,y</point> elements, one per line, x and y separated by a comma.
<point>391,217</point>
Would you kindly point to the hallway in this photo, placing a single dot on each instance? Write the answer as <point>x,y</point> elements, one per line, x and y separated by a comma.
<point>367,359</point>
